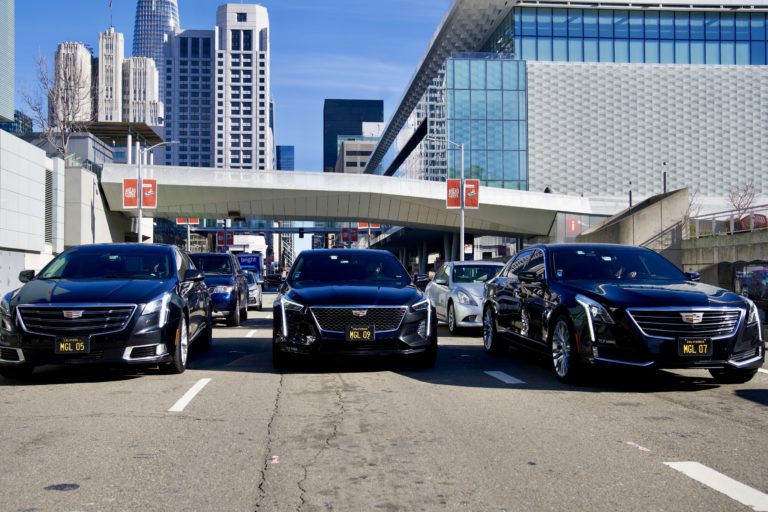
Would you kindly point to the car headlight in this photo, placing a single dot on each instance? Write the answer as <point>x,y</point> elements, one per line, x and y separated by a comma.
<point>224,289</point>
<point>5,314</point>
<point>596,312</point>
<point>158,305</point>
<point>5,307</point>
<point>289,306</point>
<point>464,298</point>
<point>422,305</point>
<point>754,317</point>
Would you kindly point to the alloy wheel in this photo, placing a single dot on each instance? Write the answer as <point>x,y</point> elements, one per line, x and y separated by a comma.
<point>561,349</point>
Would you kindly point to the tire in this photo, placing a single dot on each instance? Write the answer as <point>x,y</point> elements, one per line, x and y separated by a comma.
<point>180,353</point>
<point>233,319</point>
<point>17,372</point>
<point>491,339</point>
<point>732,375</point>
<point>244,311</point>
<point>261,300</point>
<point>205,339</point>
<point>565,358</point>
<point>451,319</point>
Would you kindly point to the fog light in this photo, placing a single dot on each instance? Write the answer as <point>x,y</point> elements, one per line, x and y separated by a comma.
<point>161,349</point>
<point>422,329</point>
<point>595,352</point>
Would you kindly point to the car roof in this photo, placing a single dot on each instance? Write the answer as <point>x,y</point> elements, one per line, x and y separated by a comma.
<point>208,254</point>
<point>132,247</point>
<point>560,246</point>
<point>346,251</point>
<point>477,262</point>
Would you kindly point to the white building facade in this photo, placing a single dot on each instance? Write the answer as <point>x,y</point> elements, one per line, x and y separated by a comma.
<point>141,102</point>
<point>74,83</point>
<point>110,90</point>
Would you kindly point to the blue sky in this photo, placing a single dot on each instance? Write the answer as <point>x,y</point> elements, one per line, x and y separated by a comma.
<point>357,49</point>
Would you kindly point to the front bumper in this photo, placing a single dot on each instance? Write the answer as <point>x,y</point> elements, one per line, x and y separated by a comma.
<point>223,304</point>
<point>468,315</point>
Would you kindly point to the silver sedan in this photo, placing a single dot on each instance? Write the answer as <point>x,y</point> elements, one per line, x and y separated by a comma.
<point>457,292</point>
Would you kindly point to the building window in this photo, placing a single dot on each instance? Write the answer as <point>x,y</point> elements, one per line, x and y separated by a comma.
<point>248,40</point>
<point>242,17</point>
<point>235,40</point>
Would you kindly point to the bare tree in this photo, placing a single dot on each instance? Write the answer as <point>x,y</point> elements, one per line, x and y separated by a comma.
<point>693,209</point>
<point>740,197</point>
<point>61,103</point>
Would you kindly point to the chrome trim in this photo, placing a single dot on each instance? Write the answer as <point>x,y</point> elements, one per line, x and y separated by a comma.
<point>76,305</point>
<point>128,350</point>
<point>19,352</point>
<point>404,308</point>
<point>626,363</point>
<point>688,308</point>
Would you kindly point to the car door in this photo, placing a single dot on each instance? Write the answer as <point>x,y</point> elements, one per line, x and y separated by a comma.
<point>240,280</point>
<point>533,298</point>
<point>440,291</point>
<point>508,293</point>
<point>190,292</point>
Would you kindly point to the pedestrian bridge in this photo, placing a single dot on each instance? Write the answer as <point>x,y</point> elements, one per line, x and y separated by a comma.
<point>295,195</point>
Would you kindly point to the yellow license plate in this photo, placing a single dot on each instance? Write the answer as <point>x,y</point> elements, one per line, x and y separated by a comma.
<point>694,347</point>
<point>360,333</point>
<point>72,346</point>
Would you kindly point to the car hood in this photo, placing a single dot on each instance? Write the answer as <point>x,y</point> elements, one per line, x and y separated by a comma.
<point>474,289</point>
<point>354,295</point>
<point>660,294</point>
<point>211,281</point>
<point>83,291</point>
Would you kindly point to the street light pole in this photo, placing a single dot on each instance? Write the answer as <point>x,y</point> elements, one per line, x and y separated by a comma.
<point>461,192</point>
<point>140,184</point>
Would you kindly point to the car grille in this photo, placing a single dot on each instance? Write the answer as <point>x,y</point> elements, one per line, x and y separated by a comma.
<point>337,319</point>
<point>50,321</point>
<point>146,351</point>
<point>669,323</point>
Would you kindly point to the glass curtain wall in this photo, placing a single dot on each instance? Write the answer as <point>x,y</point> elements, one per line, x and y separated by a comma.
<point>486,111</point>
<point>634,36</point>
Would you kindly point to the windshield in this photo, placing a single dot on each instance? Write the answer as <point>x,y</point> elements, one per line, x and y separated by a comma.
<point>212,264</point>
<point>474,273</point>
<point>611,264</point>
<point>374,267</point>
<point>118,262</point>
<point>250,278</point>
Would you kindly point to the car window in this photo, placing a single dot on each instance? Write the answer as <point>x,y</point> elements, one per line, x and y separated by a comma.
<point>324,267</point>
<point>213,264</point>
<point>181,262</point>
<point>536,264</point>
<point>250,278</point>
<point>613,264</point>
<point>474,273</point>
<point>517,264</point>
<point>114,262</point>
<point>442,273</point>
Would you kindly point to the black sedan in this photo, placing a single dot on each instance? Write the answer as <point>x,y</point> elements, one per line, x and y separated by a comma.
<point>126,304</point>
<point>591,304</point>
<point>352,302</point>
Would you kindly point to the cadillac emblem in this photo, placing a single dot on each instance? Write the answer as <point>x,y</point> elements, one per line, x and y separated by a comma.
<point>72,315</point>
<point>359,313</point>
<point>692,318</point>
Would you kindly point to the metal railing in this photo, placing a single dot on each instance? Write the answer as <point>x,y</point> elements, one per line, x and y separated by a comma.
<point>728,222</point>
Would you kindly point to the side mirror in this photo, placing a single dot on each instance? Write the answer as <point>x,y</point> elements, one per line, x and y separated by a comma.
<point>26,276</point>
<point>194,274</point>
<point>441,281</point>
<point>528,277</point>
<point>693,276</point>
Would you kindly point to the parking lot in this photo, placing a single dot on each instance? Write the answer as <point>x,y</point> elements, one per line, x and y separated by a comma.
<point>475,433</point>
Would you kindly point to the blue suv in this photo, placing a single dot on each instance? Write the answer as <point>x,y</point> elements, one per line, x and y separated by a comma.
<point>226,283</point>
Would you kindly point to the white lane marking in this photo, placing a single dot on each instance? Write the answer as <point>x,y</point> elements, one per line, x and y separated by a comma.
<point>733,489</point>
<point>503,377</point>
<point>251,333</point>
<point>635,445</point>
<point>189,395</point>
<point>762,371</point>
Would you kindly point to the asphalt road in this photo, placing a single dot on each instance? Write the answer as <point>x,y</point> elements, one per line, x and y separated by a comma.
<point>379,436</point>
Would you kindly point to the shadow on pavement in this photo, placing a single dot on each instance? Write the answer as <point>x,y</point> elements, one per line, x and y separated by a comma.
<point>758,396</point>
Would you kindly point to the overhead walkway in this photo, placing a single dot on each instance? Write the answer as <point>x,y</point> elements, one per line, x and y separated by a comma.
<point>293,195</point>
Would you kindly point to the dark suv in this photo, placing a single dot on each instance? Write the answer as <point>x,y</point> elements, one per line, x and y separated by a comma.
<point>129,304</point>
<point>602,304</point>
<point>227,284</point>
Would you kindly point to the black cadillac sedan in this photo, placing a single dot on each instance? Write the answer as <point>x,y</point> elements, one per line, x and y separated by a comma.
<point>115,304</point>
<point>352,302</point>
<point>593,304</point>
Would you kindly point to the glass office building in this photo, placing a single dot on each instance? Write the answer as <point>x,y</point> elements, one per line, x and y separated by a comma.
<point>154,19</point>
<point>346,117</point>
<point>285,158</point>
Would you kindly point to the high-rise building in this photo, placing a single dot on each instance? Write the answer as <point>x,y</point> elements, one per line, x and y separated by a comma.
<point>156,22</point>
<point>21,125</point>
<point>189,98</point>
<point>243,127</point>
<point>74,85</point>
<point>285,158</point>
<point>110,91</point>
<point>6,59</point>
<point>141,96</point>
<point>346,117</point>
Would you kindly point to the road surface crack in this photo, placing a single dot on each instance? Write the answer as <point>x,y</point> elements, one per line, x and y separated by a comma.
<point>268,447</point>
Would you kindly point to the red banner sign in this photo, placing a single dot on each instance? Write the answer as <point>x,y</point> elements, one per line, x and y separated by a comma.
<point>453,194</point>
<point>131,196</point>
<point>349,234</point>
<point>183,221</point>
<point>220,238</point>
<point>472,194</point>
<point>365,225</point>
<point>149,199</point>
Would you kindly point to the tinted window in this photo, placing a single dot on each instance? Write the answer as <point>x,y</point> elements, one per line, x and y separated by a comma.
<point>250,278</point>
<point>612,264</point>
<point>474,273</point>
<point>536,263</point>
<point>349,266</point>
<point>117,262</point>
<point>517,264</point>
<point>213,264</point>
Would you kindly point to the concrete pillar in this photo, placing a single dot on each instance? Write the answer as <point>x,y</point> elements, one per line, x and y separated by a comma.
<point>128,146</point>
<point>454,247</point>
<point>423,258</point>
<point>447,256</point>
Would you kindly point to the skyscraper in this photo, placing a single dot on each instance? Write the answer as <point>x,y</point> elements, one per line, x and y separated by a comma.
<point>111,50</point>
<point>140,100</point>
<point>74,86</point>
<point>346,117</point>
<point>285,158</point>
<point>154,19</point>
<point>6,59</point>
